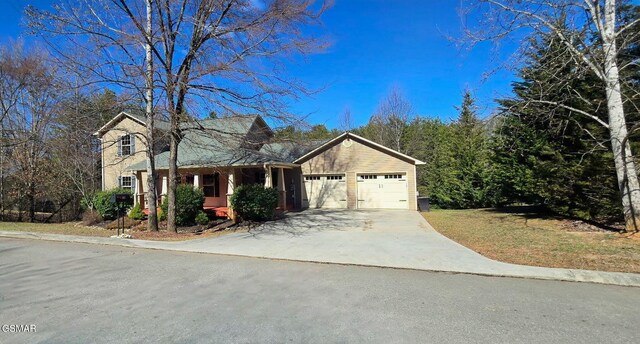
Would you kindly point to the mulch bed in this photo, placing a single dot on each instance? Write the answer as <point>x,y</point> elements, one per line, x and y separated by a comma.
<point>214,228</point>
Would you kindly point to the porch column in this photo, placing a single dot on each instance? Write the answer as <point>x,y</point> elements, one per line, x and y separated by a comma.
<point>231,186</point>
<point>164,189</point>
<point>139,196</point>
<point>196,181</point>
<point>282,192</point>
<point>231,183</point>
<point>267,177</point>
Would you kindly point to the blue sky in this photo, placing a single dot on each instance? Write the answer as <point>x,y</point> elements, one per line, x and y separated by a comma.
<point>377,45</point>
<point>381,44</point>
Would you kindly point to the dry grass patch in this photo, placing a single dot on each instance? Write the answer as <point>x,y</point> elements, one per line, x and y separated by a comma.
<point>77,228</point>
<point>522,237</point>
<point>69,228</point>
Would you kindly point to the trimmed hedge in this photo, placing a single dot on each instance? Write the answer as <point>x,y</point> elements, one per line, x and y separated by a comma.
<point>254,202</point>
<point>189,203</point>
<point>104,207</point>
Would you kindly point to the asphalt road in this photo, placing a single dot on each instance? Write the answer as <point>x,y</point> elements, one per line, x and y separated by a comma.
<point>78,293</point>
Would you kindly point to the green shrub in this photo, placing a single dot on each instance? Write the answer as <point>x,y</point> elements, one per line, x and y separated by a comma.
<point>189,203</point>
<point>106,209</point>
<point>202,218</point>
<point>254,202</point>
<point>136,213</point>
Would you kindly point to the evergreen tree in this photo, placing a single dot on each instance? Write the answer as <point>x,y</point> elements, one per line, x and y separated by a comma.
<point>550,155</point>
<point>430,140</point>
<point>469,148</point>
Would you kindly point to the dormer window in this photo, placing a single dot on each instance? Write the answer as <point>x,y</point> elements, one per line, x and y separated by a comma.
<point>126,145</point>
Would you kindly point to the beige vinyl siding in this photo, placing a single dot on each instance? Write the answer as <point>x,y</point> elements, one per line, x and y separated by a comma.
<point>114,165</point>
<point>359,158</point>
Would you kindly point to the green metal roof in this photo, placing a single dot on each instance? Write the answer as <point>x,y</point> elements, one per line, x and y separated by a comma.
<point>225,142</point>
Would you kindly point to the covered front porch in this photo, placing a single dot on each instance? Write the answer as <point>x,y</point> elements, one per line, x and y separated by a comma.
<point>219,183</point>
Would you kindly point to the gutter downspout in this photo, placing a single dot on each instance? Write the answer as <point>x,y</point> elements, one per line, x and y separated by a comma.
<point>102,163</point>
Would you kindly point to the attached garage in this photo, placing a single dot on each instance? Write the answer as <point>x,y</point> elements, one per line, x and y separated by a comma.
<point>385,191</point>
<point>353,172</point>
<point>325,191</point>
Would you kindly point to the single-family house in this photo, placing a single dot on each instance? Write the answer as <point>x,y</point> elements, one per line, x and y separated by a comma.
<point>217,155</point>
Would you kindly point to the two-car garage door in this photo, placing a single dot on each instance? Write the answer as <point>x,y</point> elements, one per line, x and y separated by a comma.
<point>387,190</point>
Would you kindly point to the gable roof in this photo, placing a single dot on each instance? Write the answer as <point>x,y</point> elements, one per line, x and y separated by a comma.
<point>348,135</point>
<point>237,126</point>
<point>289,151</point>
<point>159,124</point>
<point>233,125</point>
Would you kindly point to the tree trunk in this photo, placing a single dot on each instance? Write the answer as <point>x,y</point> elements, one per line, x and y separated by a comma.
<point>152,205</point>
<point>32,202</point>
<point>174,141</point>
<point>627,176</point>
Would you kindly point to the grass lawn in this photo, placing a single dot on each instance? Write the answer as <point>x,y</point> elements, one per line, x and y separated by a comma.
<point>71,228</point>
<point>56,228</point>
<point>521,237</point>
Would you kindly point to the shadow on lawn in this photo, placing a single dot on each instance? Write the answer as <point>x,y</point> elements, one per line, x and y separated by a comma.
<point>528,212</point>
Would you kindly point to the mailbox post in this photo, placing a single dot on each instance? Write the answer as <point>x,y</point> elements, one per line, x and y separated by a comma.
<point>121,201</point>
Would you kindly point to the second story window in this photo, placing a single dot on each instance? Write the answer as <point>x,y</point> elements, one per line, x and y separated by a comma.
<point>126,145</point>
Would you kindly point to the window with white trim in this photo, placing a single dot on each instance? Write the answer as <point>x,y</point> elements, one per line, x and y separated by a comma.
<point>126,145</point>
<point>393,176</point>
<point>127,183</point>
<point>368,176</point>
<point>311,177</point>
<point>337,177</point>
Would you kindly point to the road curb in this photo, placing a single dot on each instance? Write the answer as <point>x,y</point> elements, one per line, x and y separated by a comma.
<point>550,274</point>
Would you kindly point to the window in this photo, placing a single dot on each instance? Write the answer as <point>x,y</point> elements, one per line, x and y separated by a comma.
<point>210,185</point>
<point>260,178</point>
<point>392,176</point>
<point>311,177</point>
<point>189,179</point>
<point>127,182</point>
<point>126,145</point>
<point>368,176</point>
<point>334,177</point>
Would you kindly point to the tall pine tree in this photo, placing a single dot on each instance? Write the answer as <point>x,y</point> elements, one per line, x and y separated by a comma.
<point>470,153</point>
<point>551,155</point>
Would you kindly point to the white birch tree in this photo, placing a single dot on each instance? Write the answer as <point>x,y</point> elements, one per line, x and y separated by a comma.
<point>592,32</point>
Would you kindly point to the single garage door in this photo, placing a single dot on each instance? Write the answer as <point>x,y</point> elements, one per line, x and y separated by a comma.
<point>326,191</point>
<point>388,191</point>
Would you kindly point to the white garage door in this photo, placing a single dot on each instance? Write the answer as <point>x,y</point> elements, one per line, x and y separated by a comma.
<point>387,191</point>
<point>327,191</point>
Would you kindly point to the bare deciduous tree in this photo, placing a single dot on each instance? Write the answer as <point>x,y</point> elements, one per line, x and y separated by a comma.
<point>390,119</point>
<point>108,42</point>
<point>225,55</point>
<point>345,122</point>
<point>592,32</point>
<point>29,96</point>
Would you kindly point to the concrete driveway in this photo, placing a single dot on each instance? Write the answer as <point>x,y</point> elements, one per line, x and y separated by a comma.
<point>385,238</point>
<point>392,238</point>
